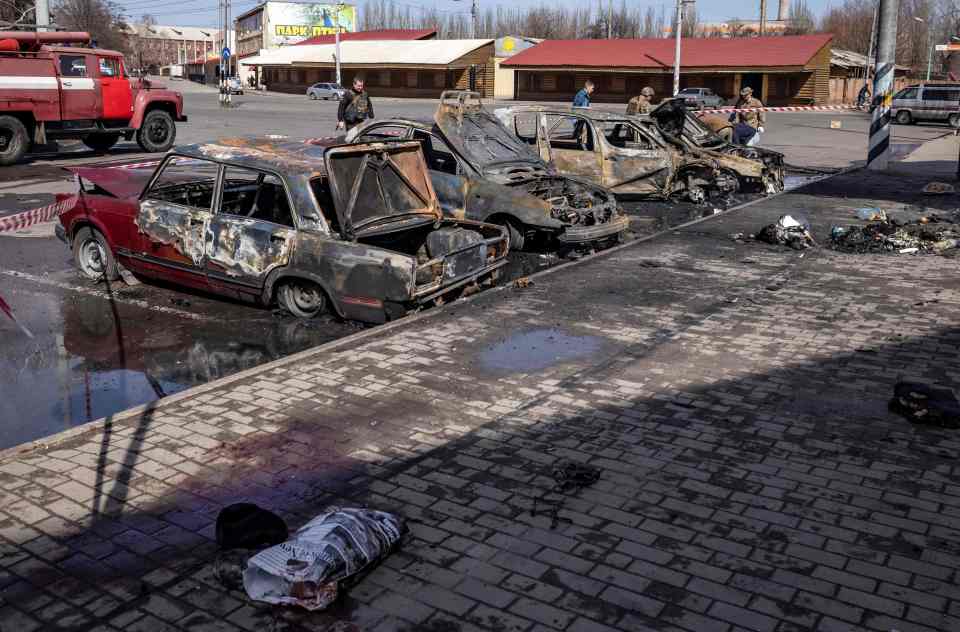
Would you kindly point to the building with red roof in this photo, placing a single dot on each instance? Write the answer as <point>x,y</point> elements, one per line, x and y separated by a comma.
<point>785,70</point>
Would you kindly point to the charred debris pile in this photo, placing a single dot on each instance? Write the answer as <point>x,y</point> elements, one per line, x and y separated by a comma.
<point>929,234</point>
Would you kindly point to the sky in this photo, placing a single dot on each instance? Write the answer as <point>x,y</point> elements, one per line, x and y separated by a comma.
<point>204,12</point>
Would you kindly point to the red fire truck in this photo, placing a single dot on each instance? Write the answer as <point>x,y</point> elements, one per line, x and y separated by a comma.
<point>53,87</point>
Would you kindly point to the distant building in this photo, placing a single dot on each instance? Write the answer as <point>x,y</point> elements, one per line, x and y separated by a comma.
<point>504,48</point>
<point>162,45</point>
<point>847,69</point>
<point>395,68</point>
<point>785,70</point>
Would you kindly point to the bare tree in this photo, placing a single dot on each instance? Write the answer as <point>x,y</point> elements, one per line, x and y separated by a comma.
<point>103,19</point>
<point>16,14</point>
<point>800,20</point>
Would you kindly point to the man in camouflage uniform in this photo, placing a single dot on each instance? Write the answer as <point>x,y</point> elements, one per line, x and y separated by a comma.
<point>355,106</point>
<point>748,124</point>
<point>642,104</point>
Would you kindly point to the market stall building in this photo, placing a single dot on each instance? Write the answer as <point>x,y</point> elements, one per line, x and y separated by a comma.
<point>391,68</point>
<point>786,70</point>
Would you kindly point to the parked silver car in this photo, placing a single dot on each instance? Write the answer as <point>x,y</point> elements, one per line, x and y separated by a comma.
<point>927,102</point>
<point>699,98</point>
<point>326,91</point>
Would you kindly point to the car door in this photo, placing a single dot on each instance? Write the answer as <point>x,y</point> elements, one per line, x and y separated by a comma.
<point>635,163</point>
<point>115,89</point>
<point>251,232</point>
<point>173,215</point>
<point>573,146</point>
<point>79,97</point>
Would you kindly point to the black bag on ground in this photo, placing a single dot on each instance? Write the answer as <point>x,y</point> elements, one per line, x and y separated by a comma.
<point>924,404</point>
<point>247,526</point>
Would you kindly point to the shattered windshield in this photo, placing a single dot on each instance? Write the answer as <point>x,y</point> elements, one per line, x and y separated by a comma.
<point>487,142</point>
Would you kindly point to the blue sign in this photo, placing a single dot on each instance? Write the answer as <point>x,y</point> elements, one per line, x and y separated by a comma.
<point>225,53</point>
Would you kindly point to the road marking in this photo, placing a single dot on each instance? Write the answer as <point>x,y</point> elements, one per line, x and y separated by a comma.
<point>109,296</point>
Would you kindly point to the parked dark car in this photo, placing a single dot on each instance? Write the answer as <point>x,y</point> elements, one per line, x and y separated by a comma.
<point>482,172</point>
<point>358,231</point>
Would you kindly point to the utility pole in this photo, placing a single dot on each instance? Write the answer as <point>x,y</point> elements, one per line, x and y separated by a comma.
<point>873,39</point>
<point>878,155</point>
<point>42,17</point>
<point>475,14</point>
<point>678,30</point>
<point>610,19</point>
<point>336,40</point>
<point>763,17</point>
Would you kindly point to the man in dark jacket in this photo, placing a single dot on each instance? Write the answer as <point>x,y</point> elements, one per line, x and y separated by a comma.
<point>355,106</point>
<point>582,98</point>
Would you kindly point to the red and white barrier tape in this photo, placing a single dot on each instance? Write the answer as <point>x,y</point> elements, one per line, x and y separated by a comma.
<point>137,165</point>
<point>785,108</point>
<point>19,221</point>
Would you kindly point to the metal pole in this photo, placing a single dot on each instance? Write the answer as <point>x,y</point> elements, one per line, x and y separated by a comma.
<point>763,17</point>
<point>42,17</point>
<point>676,53</point>
<point>878,154</point>
<point>873,37</point>
<point>336,39</point>
<point>610,19</point>
<point>475,13</point>
<point>929,51</point>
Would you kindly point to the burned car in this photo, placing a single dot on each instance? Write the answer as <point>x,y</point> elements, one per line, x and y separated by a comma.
<point>676,122</point>
<point>358,232</point>
<point>481,172</point>
<point>629,154</point>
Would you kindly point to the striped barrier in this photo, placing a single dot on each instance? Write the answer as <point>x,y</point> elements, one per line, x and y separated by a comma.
<point>136,165</point>
<point>785,108</point>
<point>19,221</point>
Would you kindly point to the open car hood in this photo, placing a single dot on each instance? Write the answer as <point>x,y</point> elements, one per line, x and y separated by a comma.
<point>479,136</point>
<point>380,186</point>
<point>118,182</point>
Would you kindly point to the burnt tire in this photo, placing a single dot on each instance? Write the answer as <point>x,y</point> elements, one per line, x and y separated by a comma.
<point>14,140</point>
<point>93,257</point>
<point>517,237</point>
<point>100,142</point>
<point>904,117</point>
<point>157,132</point>
<point>302,298</point>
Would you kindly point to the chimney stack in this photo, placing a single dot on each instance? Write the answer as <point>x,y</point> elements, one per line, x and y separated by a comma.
<point>784,10</point>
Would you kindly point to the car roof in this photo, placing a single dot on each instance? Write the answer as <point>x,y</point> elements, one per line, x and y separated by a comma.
<point>271,153</point>
<point>596,115</point>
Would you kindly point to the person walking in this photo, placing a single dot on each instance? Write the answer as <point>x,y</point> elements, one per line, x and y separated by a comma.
<point>582,98</point>
<point>748,124</point>
<point>863,95</point>
<point>355,106</point>
<point>643,103</point>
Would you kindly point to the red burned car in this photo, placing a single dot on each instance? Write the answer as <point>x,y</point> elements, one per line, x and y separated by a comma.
<point>356,231</point>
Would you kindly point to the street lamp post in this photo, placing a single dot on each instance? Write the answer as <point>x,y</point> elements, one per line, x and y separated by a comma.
<point>929,46</point>
<point>678,28</point>
<point>336,39</point>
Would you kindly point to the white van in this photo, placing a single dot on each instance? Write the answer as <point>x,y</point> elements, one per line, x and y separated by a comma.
<point>927,102</point>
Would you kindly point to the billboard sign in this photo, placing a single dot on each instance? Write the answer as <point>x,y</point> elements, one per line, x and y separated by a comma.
<point>293,22</point>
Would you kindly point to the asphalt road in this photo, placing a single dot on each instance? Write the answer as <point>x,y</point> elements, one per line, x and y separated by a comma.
<point>97,350</point>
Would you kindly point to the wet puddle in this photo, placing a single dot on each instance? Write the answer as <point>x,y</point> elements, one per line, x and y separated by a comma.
<point>536,350</point>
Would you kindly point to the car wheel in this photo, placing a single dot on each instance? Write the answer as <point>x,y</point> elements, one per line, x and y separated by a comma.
<point>517,238</point>
<point>312,96</point>
<point>13,140</point>
<point>302,298</point>
<point>100,142</point>
<point>93,257</point>
<point>904,118</point>
<point>954,120</point>
<point>157,132</point>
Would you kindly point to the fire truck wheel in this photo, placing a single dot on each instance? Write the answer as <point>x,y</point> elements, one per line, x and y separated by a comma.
<point>157,132</point>
<point>100,142</point>
<point>14,141</point>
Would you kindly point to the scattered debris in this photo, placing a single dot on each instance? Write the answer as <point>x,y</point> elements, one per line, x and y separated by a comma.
<point>331,550</point>
<point>835,124</point>
<point>938,188</point>
<point>568,476</point>
<point>179,302</point>
<point>787,232</point>
<point>523,282</point>
<point>921,403</point>
<point>871,214</point>
<point>930,234</point>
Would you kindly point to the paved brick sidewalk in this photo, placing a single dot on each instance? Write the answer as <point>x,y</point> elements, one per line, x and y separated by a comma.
<point>734,396</point>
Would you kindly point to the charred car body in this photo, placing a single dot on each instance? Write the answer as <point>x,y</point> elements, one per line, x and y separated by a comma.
<point>631,156</point>
<point>358,232</point>
<point>481,172</point>
<point>676,122</point>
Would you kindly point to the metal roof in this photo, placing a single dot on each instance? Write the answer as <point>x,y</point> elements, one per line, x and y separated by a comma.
<point>657,53</point>
<point>852,59</point>
<point>392,52</point>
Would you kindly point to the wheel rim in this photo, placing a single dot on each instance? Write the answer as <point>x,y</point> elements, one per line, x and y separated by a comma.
<point>157,132</point>
<point>306,299</point>
<point>92,258</point>
<point>6,137</point>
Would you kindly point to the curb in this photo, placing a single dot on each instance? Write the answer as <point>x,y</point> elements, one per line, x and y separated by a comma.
<point>193,391</point>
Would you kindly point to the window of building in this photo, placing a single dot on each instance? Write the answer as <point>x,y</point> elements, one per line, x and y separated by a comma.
<point>534,82</point>
<point>439,79</point>
<point>413,79</point>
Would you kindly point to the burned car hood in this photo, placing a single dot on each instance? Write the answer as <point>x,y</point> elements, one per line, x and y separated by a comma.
<point>485,143</point>
<point>118,182</point>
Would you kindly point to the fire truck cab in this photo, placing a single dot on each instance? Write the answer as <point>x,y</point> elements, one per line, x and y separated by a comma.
<point>52,87</point>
